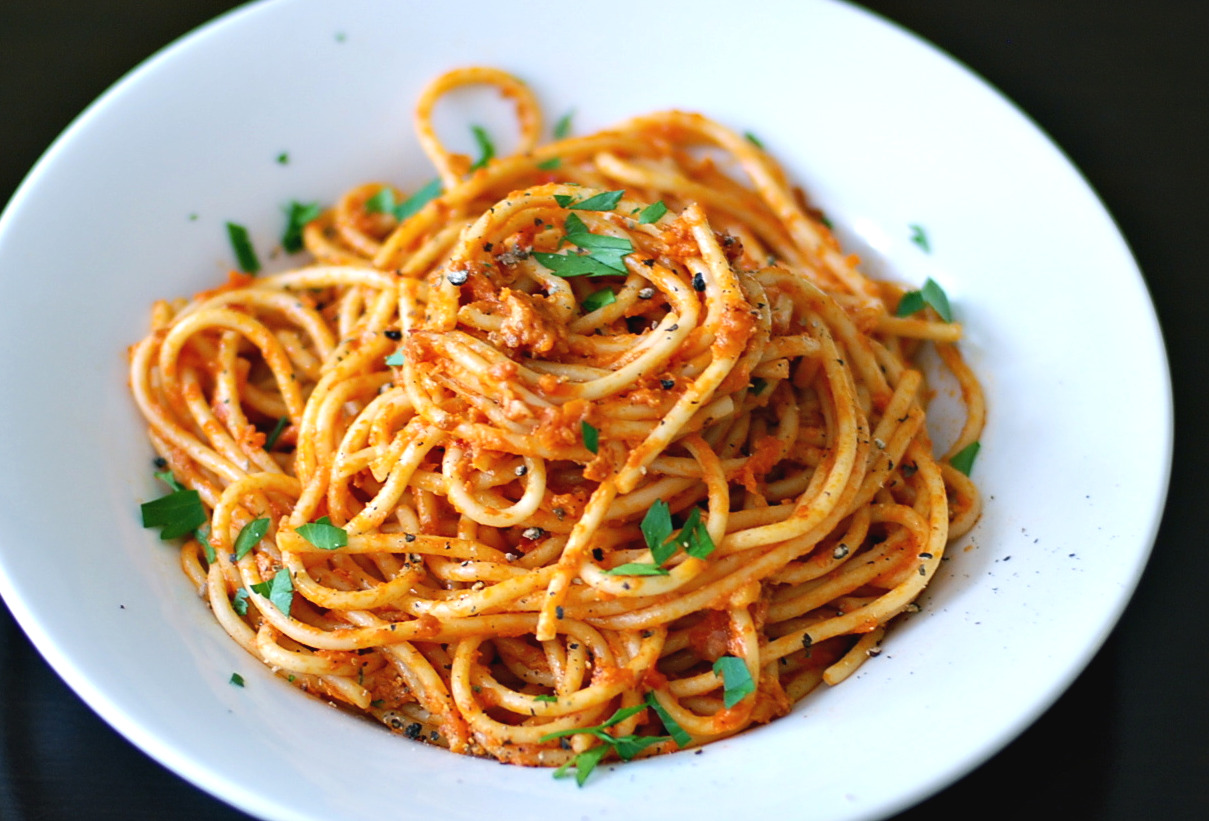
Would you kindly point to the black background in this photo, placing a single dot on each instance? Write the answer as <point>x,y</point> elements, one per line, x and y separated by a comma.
<point>1121,85</point>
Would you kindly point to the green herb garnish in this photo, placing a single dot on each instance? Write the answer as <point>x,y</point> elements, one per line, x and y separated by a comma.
<point>167,478</point>
<point>736,679</point>
<point>202,534</point>
<point>963,460</point>
<point>241,243</point>
<point>591,436</point>
<point>237,679</point>
<point>486,147</point>
<point>920,237</point>
<point>754,140</point>
<point>694,537</point>
<point>652,213</point>
<point>598,299</point>
<point>609,251</point>
<point>574,265</point>
<point>930,294</point>
<point>239,602</point>
<point>604,255</point>
<point>604,201</point>
<point>249,535</point>
<point>657,531</point>
<point>275,434</point>
<point>279,590</point>
<point>626,746</point>
<point>179,513</point>
<point>678,733</point>
<point>563,127</point>
<point>298,214</point>
<point>550,164</point>
<point>384,201</point>
<point>323,534</point>
<point>638,569</point>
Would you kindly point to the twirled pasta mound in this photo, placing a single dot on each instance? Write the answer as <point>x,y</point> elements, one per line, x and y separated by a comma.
<point>605,450</point>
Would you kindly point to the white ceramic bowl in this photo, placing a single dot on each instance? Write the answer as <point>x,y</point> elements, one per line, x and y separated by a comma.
<point>882,130</point>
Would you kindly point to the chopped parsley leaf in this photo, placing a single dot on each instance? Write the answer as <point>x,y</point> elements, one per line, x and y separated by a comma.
<point>574,265</point>
<point>598,299</point>
<point>657,531</point>
<point>384,202</point>
<point>298,214</point>
<point>736,679</point>
<point>486,147</point>
<point>239,602</point>
<point>241,243</point>
<point>178,514</point>
<point>920,237</point>
<point>279,590</point>
<point>604,201</point>
<point>249,535</point>
<point>562,128</point>
<point>963,460</point>
<point>323,534</point>
<point>167,478</point>
<point>637,569</point>
<point>652,213</point>
<point>605,255</point>
<point>202,534</point>
<point>626,746</point>
<point>678,733</point>
<point>657,525</point>
<point>694,538</point>
<point>930,294</point>
<point>591,436</point>
<point>275,434</point>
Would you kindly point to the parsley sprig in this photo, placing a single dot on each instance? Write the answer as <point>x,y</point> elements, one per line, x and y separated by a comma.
<point>598,299</point>
<point>963,460</point>
<point>249,535</point>
<point>279,590</point>
<point>323,534</point>
<point>486,147</point>
<point>657,531</point>
<point>603,255</point>
<point>241,244</point>
<point>177,514</point>
<point>298,214</point>
<point>626,746</point>
<point>384,201</point>
<point>591,436</point>
<point>737,682</point>
<point>652,213</point>
<point>604,201</point>
<point>931,294</point>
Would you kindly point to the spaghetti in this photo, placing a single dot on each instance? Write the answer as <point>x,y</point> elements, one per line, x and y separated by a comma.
<point>607,449</point>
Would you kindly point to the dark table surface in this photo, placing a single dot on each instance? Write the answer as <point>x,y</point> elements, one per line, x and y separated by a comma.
<point>1121,85</point>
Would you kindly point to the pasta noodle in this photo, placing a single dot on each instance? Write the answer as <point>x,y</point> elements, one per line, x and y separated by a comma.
<point>607,449</point>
